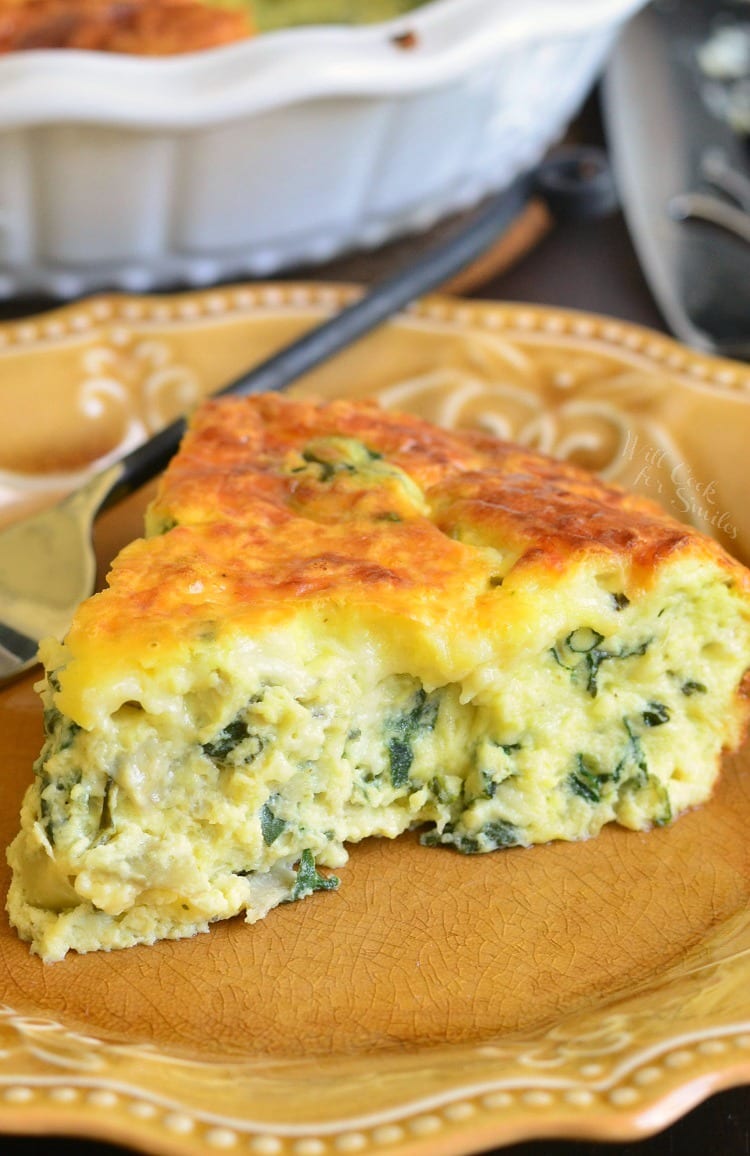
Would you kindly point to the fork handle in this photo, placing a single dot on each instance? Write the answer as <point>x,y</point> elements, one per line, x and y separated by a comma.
<point>575,183</point>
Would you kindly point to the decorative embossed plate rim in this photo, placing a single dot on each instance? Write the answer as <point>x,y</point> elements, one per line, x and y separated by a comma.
<point>625,1067</point>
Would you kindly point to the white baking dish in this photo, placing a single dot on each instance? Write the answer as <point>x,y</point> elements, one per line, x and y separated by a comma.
<point>281,150</point>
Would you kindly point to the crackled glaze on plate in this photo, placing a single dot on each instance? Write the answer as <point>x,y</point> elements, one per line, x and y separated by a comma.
<point>436,1003</point>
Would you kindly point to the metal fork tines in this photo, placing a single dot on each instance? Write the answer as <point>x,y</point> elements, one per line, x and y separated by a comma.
<point>713,210</point>
<point>47,567</point>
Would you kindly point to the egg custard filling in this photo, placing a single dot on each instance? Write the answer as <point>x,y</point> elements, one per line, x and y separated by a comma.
<point>343,623</point>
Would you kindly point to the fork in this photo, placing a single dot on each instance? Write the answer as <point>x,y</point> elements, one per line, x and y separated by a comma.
<point>47,563</point>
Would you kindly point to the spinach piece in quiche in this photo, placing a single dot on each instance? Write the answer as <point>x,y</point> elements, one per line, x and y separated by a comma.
<point>227,740</point>
<point>271,825</point>
<point>692,687</point>
<point>487,778</point>
<point>164,524</point>
<point>403,729</point>
<point>335,455</point>
<point>585,641</point>
<point>60,731</point>
<point>401,757</point>
<point>440,792</point>
<point>326,470</point>
<point>656,714</point>
<point>45,811</point>
<point>634,757</point>
<point>325,460</point>
<point>489,786</point>
<point>58,799</point>
<point>105,818</point>
<point>233,734</point>
<point>586,780</point>
<point>309,878</point>
<point>491,837</point>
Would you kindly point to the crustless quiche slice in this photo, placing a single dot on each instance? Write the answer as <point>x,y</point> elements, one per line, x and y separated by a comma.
<point>345,622</point>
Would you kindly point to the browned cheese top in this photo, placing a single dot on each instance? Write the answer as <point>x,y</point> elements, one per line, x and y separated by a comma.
<point>274,503</point>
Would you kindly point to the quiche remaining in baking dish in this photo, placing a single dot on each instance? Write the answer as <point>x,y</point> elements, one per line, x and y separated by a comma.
<point>169,27</point>
<point>140,27</point>
<point>346,622</point>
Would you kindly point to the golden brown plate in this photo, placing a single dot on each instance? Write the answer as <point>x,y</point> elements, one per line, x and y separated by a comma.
<point>436,1003</point>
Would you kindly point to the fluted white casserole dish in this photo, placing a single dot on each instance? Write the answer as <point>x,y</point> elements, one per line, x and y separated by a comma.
<point>280,150</point>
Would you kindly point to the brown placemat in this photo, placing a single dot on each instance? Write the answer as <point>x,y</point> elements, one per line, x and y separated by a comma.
<point>532,223</point>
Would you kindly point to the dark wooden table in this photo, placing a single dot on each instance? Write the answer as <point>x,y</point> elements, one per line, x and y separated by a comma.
<point>593,267</point>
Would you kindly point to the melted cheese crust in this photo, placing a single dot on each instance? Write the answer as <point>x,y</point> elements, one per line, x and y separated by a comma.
<point>142,27</point>
<point>346,622</point>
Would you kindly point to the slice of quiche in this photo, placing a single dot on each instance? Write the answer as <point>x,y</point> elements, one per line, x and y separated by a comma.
<point>346,622</point>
